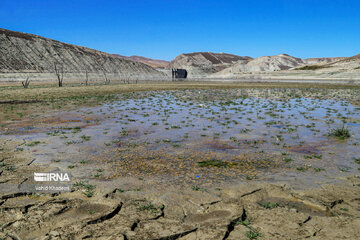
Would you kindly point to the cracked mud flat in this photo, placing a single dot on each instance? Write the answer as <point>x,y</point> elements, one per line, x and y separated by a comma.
<point>209,164</point>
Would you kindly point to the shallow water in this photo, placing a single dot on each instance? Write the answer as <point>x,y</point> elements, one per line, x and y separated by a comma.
<point>164,135</point>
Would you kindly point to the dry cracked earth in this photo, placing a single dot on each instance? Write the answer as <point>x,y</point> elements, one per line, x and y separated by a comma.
<point>252,210</point>
<point>244,212</point>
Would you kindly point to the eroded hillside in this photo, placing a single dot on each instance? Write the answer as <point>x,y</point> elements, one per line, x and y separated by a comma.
<point>21,52</point>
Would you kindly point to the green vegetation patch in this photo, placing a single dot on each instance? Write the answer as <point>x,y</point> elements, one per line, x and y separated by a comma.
<point>341,133</point>
<point>311,67</point>
<point>213,163</point>
<point>87,189</point>
<point>269,205</point>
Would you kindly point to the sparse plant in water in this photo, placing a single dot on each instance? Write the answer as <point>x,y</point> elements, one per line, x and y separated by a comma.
<point>341,133</point>
<point>32,144</point>
<point>301,169</point>
<point>85,138</point>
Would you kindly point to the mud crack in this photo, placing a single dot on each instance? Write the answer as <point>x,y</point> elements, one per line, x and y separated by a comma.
<point>305,221</point>
<point>334,203</point>
<point>232,224</point>
<point>252,192</point>
<point>107,216</point>
<point>177,235</point>
<point>135,225</point>
<point>15,195</point>
<point>162,214</point>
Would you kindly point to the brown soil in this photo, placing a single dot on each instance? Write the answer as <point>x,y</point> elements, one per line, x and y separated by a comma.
<point>148,209</point>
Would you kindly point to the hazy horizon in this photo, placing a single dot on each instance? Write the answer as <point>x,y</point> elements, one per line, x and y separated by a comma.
<point>163,30</point>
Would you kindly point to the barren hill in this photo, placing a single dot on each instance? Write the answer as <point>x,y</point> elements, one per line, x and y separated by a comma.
<point>344,64</point>
<point>22,52</point>
<point>322,60</point>
<point>200,64</point>
<point>355,58</point>
<point>348,64</point>
<point>155,63</point>
<point>341,68</point>
<point>262,64</point>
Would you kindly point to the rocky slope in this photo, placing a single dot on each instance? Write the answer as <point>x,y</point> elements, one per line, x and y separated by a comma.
<point>349,64</point>
<point>155,63</point>
<point>354,60</point>
<point>341,69</point>
<point>201,64</point>
<point>22,52</point>
<point>262,64</point>
<point>322,60</point>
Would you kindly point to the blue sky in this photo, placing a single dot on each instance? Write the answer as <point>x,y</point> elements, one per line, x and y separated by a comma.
<point>163,29</point>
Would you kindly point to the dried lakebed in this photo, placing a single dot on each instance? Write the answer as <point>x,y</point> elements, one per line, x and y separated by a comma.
<point>188,137</point>
<point>192,160</point>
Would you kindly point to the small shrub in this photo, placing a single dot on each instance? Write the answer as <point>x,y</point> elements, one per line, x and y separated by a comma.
<point>341,133</point>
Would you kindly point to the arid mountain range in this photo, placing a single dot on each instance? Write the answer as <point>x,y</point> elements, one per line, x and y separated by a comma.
<point>264,64</point>
<point>148,61</point>
<point>322,60</point>
<point>32,54</point>
<point>201,64</point>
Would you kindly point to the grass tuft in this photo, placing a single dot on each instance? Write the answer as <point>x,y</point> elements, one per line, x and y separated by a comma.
<point>341,133</point>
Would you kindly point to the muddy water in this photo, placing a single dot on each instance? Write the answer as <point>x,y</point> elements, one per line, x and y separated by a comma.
<point>172,138</point>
